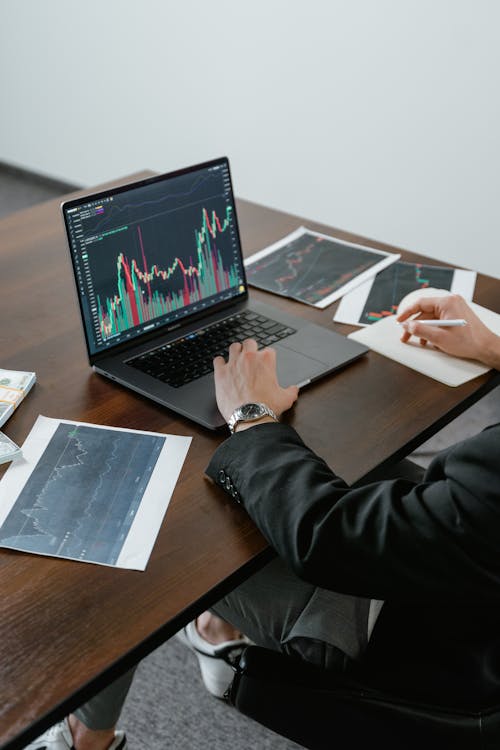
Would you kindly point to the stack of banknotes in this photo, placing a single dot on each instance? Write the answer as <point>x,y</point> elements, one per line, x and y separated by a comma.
<point>14,385</point>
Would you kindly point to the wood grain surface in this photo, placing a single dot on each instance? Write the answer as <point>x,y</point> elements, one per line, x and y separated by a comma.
<point>66,628</point>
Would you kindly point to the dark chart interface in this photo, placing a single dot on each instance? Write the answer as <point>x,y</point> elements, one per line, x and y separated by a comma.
<point>395,282</point>
<point>150,255</point>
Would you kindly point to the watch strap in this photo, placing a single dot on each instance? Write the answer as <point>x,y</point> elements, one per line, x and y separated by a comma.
<point>237,416</point>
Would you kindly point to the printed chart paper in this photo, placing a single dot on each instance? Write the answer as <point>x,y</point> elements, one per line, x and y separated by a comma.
<point>380,296</point>
<point>90,493</point>
<point>314,268</point>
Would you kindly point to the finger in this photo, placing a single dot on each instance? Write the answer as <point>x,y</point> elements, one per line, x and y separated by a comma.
<point>234,350</point>
<point>430,334</point>
<point>269,353</point>
<point>405,314</point>
<point>250,345</point>
<point>425,305</point>
<point>405,336</point>
<point>218,364</point>
<point>414,328</point>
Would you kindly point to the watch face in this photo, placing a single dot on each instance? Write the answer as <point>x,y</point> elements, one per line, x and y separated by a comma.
<point>251,411</point>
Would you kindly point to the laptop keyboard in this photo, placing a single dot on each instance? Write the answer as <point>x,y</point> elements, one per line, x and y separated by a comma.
<point>189,358</point>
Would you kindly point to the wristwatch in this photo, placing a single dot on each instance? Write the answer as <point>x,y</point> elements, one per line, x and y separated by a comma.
<point>249,413</point>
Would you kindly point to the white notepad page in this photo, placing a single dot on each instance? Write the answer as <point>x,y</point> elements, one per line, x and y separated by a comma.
<point>384,337</point>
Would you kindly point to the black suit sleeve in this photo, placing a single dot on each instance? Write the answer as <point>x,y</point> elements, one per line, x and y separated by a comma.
<point>387,539</point>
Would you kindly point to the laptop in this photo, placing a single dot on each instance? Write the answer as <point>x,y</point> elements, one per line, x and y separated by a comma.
<point>161,284</point>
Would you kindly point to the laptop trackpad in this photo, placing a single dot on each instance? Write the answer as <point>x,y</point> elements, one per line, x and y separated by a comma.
<point>294,368</point>
<point>312,351</point>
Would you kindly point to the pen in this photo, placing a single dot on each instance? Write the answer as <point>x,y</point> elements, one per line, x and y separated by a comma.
<point>444,323</point>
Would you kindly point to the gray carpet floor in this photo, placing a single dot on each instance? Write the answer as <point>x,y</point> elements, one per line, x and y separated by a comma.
<point>168,707</point>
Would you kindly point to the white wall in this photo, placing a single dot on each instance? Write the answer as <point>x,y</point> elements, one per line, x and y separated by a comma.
<point>378,116</point>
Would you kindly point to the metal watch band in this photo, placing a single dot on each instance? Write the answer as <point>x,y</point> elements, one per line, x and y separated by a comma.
<point>238,416</point>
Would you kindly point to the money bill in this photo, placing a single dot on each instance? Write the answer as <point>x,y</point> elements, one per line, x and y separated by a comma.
<point>8,449</point>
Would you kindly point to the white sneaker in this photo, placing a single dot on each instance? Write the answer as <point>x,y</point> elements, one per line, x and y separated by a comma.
<point>59,737</point>
<point>216,661</point>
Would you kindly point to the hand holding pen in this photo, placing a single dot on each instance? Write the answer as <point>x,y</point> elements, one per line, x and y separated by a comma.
<point>449,324</point>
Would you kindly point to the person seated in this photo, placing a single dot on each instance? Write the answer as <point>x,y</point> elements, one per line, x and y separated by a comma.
<point>412,567</point>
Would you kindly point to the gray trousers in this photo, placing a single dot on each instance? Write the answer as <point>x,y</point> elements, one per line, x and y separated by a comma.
<point>277,610</point>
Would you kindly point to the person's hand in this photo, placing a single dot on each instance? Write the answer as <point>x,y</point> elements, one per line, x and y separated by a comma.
<point>472,341</point>
<point>250,376</point>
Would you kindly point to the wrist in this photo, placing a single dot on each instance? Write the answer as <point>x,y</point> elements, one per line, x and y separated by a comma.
<point>246,425</point>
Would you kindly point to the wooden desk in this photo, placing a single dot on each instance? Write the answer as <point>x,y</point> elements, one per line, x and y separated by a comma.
<point>67,629</point>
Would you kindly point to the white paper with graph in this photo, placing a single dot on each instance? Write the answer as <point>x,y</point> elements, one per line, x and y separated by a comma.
<point>90,493</point>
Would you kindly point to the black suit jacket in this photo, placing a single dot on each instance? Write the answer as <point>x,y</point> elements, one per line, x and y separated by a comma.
<point>430,550</point>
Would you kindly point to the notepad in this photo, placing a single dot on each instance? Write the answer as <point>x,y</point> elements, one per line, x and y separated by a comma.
<point>384,337</point>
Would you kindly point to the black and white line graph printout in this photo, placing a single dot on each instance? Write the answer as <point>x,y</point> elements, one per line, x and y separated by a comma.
<point>90,493</point>
<point>314,268</point>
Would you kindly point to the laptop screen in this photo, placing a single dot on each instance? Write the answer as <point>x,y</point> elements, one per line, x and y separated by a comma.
<point>150,254</point>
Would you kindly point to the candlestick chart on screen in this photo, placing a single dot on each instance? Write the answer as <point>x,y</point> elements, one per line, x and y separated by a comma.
<point>145,289</point>
<point>150,261</point>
